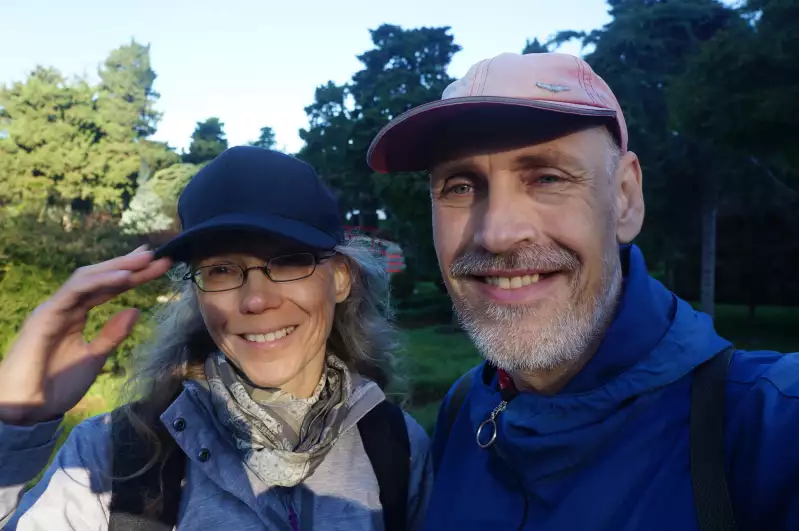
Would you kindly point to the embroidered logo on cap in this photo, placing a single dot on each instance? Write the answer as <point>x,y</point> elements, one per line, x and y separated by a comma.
<point>552,88</point>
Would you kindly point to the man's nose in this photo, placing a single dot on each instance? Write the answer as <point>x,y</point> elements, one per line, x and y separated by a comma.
<point>508,217</point>
<point>259,293</point>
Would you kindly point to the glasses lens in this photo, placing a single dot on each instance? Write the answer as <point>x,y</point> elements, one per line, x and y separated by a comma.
<point>218,277</point>
<point>291,267</point>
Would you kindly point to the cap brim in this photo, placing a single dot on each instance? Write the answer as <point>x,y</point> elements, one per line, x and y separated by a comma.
<point>180,248</point>
<point>403,144</point>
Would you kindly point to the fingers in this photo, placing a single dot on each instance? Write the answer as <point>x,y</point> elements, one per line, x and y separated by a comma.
<point>135,260</point>
<point>153,271</point>
<point>94,285</point>
<point>115,331</point>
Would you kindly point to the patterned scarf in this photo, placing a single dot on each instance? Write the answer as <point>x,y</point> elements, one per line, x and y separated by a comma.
<point>283,439</point>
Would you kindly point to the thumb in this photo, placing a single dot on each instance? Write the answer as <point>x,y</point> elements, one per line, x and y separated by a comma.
<point>115,331</point>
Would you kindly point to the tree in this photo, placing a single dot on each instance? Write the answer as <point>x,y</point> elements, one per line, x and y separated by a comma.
<point>266,139</point>
<point>535,47</point>
<point>69,145</point>
<point>756,123</point>
<point>207,142</point>
<point>126,96</point>
<point>639,53</point>
<point>406,68</point>
<point>145,213</point>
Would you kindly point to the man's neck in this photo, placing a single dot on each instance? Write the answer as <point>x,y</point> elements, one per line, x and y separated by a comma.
<point>551,381</point>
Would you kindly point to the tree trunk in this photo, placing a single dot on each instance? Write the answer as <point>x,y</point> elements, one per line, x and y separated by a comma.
<point>708,285</point>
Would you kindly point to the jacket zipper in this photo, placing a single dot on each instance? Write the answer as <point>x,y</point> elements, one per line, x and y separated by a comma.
<point>294,520</point>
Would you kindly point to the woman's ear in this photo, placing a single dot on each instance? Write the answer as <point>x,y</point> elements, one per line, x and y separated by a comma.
<point>342,277</point>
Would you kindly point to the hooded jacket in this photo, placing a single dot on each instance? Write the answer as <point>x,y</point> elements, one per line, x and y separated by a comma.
<point>219,492</point>
<point>610,451</point>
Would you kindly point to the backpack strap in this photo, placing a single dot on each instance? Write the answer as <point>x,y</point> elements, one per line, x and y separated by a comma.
<point>708,469</point>
<point>385,438</point>
<point>132,507</point>
<point>458,397</point>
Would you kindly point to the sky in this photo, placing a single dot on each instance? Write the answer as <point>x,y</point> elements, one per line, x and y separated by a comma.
<point>256,63</point>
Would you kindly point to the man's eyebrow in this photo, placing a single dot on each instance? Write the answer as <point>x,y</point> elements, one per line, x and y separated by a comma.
<point>448,169</point>
<point>553,159</point>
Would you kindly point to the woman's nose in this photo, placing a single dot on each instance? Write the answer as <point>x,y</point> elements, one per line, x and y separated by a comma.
<point>259,293</point>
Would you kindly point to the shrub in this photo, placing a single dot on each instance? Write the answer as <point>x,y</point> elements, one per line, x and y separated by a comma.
<point>402,285</point>
<point>36,257</point>
<point>24,286</point>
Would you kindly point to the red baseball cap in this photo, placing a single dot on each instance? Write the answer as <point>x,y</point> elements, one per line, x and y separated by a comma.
<point>550,82</point>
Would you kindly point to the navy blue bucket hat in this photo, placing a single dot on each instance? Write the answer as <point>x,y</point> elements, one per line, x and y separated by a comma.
<point>257,190</point>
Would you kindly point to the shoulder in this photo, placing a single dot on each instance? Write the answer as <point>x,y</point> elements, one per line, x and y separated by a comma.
<point>74,492</point>
<point>762,413</point>
<point>417,437</point>
<point>753,373</point>
<point>89,446</point>
<point>763,393</point>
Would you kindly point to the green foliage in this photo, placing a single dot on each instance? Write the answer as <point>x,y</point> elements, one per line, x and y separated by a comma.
<point>37,257</point>
<point>406,68</point>
<point>742,85</point>
<point>402,285</point>
<point>146,213</point>
<point>70,144</point>
<point>266,139</point>
<point>534,47</point>
<point>207,142</point>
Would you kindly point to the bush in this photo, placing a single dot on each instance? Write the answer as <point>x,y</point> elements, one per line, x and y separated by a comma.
<point>23,287</point>
<point>402,285</point>
<point>36,257</point>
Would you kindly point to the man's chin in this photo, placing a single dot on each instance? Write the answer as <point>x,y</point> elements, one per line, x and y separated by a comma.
<point>523,346</point>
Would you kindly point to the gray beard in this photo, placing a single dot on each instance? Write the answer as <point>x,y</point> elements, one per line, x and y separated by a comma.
<point>533,338</point>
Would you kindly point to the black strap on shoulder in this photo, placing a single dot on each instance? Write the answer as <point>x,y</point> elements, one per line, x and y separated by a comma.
<point>708,469</point>
<point>457,397</point>
<point>385,438</point>
<point>150,501</point>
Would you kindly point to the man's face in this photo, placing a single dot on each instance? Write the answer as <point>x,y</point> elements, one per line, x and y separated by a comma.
<point>527,240</point>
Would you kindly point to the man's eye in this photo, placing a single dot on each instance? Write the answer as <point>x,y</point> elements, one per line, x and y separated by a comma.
<point>458,189</point>
<point>549,179</point>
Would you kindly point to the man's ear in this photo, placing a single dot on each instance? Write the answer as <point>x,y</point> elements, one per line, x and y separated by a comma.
<point>629,198</point>
<point>342,277</point>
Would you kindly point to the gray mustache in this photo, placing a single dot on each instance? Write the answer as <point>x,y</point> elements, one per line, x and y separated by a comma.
<point>479,262</point>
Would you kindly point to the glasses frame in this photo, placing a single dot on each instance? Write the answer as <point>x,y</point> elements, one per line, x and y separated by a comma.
<point>317,259</point>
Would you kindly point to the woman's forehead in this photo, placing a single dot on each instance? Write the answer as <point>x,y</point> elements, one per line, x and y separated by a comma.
<point>246,244</point>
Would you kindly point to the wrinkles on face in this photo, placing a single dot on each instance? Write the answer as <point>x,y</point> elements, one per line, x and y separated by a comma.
<point>544,211</point>
<point>275,332</point>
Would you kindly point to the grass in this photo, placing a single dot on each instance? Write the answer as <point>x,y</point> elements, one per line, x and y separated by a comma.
<point>435,356</point>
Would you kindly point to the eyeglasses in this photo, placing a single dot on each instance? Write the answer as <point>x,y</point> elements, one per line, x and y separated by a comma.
<point>228,276</point>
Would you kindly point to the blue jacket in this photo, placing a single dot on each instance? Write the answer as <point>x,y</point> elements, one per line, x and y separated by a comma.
<point>610,452</point>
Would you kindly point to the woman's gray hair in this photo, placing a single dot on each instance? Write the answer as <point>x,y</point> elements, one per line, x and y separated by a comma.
<point>363,336</point>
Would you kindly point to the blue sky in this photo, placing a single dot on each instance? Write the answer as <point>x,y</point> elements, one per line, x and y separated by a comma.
<point>255,63</point>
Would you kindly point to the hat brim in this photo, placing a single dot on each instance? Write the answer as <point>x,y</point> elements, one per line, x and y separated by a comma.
<point>403,144</point>
<point>179,249</point>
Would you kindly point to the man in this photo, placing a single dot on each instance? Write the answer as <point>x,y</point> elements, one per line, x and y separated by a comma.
<point>596,407</point>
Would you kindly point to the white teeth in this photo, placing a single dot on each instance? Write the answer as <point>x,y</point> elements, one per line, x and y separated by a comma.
<point>513,282</point>
<point>271,336</point>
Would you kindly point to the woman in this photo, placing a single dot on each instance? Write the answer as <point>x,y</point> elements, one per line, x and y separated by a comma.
<point>259,404</point>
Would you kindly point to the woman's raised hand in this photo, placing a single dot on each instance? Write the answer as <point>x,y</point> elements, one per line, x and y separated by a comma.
<point>50,366</point>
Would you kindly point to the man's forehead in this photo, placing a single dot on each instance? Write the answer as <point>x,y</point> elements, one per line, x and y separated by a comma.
<point>486,131</point>
<point>576,151</point>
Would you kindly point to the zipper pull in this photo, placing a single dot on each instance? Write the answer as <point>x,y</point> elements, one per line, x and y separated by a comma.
<point>490,423</point>
<point>295,522</point>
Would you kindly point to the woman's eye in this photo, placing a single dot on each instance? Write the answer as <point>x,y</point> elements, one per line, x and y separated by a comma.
<point>219,270</point>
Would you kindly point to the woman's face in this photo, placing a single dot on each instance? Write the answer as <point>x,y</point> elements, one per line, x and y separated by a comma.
<point>276,332</point>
